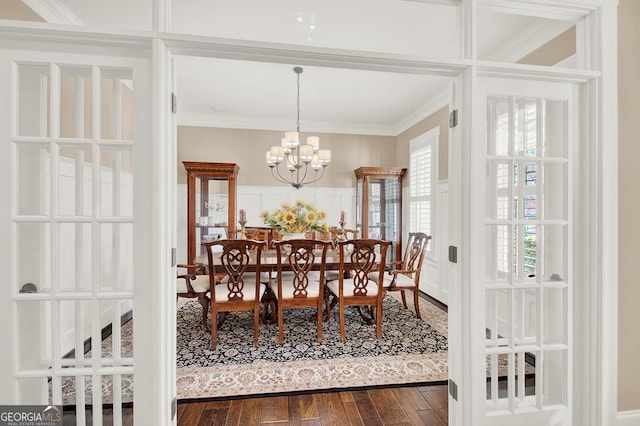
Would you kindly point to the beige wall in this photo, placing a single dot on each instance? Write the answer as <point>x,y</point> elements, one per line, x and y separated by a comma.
<point>247,148</point>
<point>629,205</point>
<point>554,51</point>
<point>439,118</point>
<point>16,10</point>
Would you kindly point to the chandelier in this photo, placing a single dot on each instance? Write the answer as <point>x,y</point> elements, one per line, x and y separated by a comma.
<point>302,163</point>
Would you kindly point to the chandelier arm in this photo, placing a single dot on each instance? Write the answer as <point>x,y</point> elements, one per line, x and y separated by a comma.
<point>297,182</point>
<point>306,169</point>
<point>279,177</point>
<point>317,178</point>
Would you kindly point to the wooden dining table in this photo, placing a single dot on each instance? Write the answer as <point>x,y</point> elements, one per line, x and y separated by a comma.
<point>269,261</point>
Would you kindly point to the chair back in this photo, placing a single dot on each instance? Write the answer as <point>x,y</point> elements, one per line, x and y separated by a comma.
<point>338,234</point>
<point>230,265</point>
<point>361,257</point>
<point>258,234</point>
<point>414,253</point>
<point>300,255</point>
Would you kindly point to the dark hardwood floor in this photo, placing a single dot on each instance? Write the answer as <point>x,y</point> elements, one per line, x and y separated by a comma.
<point>421,405</point>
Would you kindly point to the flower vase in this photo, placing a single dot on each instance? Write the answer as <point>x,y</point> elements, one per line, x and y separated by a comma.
<point>294,236</point>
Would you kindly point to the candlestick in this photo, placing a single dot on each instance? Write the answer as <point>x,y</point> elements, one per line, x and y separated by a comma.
<point>341,234</point>
<point>243,235</point>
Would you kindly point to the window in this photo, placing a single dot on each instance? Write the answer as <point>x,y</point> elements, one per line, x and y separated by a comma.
<point>423,155</point>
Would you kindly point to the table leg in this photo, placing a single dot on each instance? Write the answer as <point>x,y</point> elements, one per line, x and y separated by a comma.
<point>269,312</point>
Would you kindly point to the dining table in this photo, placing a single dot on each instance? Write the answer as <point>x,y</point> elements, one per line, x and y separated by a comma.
<point>269,264</point>
<point>269,261</point>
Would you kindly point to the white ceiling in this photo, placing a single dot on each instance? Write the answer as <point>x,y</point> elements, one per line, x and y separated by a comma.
<point>226,93</point>
<point>241,94</point>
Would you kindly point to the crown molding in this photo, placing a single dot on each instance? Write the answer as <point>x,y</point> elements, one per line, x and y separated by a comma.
<point>551,9</point>
<point>254,123</point>
<point>442,99</point>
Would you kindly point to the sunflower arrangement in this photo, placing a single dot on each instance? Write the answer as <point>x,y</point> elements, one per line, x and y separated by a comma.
<point>299,217</point>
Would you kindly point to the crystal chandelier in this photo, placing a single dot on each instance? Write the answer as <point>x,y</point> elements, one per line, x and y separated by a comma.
<point>304,163</point>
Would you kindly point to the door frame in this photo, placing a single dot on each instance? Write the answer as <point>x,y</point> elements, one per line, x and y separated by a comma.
<point>156,391</point>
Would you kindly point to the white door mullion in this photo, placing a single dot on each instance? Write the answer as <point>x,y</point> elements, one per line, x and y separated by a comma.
<point>117,181</point>
<point>96,331</point>
<point>80,107</point>
<point>96,112</point>
<point>53,322</point>
<point>79,334</point>
<point>495,318</point>
<point>80,398</point>
<point>116,333</point>
<point>117,399</point>
<point>96,397</point>
<point>511,381</point>
<point>45,84</point>
<point>520,393</point>
<point>56,390</point>
<point>540,380</point>
<point>495,376</point>
<point>117,108</point>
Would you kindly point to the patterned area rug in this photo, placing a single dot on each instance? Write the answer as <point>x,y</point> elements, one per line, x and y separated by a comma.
<point>411,351</point>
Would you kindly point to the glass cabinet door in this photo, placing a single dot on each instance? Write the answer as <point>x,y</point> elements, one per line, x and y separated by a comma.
<point>211,204</point>
<point>379,206</point>
<point>212,199</point>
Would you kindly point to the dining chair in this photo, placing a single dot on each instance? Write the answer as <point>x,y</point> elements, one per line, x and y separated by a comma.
<point>194,285</point>
<point>359,258</point>
<point>258,234</point>
<point>343,234</point>
<point>406,276</point>
<point>301,287</point>
<point>236,289</point>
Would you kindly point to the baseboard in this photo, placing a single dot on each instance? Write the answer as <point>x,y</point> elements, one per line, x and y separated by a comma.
<point>433,301</point>
<point>628,418</point>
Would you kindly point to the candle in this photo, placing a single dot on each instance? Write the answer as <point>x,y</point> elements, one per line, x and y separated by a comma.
<point>342,216</point>
<point>243,214</point>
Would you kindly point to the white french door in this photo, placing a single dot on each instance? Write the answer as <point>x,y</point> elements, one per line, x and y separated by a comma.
<point>74,141</point>
<point>524,235</point>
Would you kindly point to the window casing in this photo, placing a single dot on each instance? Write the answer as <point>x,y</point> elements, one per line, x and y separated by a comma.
<point>423,165</point>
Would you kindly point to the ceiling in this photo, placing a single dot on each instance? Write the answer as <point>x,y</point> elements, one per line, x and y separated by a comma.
<point>258,95</point>
<point>243,94</point>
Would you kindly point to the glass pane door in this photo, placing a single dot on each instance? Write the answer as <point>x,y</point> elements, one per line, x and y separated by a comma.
<point>72,235</point>
<point>527,253</point>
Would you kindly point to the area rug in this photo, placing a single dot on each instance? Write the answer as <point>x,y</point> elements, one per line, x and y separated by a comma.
<point>411,351</point>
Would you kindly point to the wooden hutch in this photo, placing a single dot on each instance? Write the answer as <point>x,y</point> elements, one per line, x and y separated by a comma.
<point>211,203</point>
<point>379,206</point>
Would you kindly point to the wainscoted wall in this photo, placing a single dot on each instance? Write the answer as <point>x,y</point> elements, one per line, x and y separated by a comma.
<point>434,279</point>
